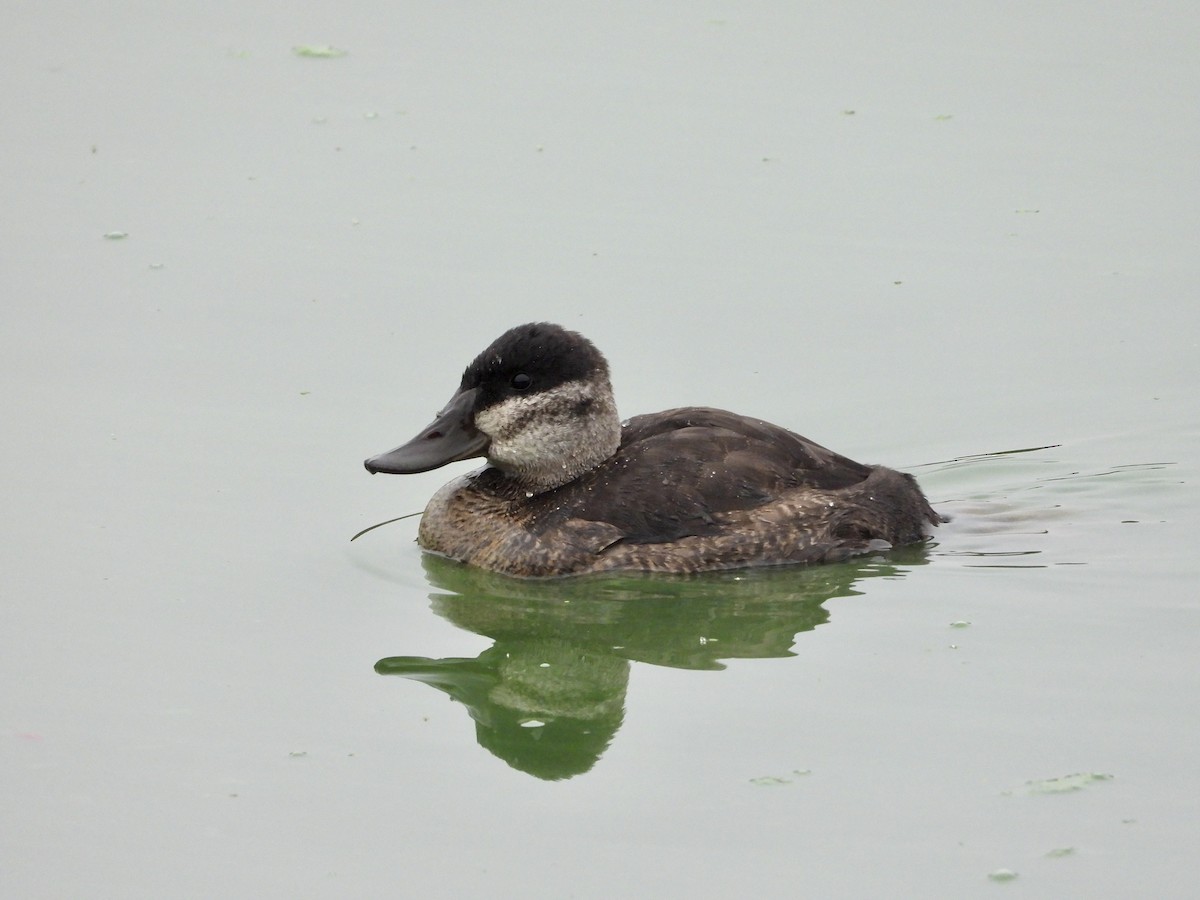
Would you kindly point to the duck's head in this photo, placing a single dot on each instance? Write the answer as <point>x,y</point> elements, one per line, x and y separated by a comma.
<point>537,404</point>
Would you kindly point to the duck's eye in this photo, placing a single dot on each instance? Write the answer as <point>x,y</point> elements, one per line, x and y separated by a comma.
<point>521,382</point>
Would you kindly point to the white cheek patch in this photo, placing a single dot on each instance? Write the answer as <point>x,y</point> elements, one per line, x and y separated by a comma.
<point>539,434</point>
<point>527,448</point>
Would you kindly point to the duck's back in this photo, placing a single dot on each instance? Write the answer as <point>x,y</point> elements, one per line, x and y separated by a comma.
<point>749,451</point>
<point>676,472</point>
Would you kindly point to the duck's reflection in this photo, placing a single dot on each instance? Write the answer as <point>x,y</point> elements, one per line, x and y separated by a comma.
<point>549,695</point>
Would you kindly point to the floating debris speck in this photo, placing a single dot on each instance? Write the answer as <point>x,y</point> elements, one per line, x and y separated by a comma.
<point>1002,875</point>
<point>1065,784</point>
<point>777,780</point>
<point>318,51</point>
<point>115,235</point>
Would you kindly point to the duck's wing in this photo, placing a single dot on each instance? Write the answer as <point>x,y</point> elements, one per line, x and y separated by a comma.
<point>778,450</point>
<point>677,471</point>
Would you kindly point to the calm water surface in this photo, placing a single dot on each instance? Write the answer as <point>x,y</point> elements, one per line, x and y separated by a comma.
<point>953,242</point>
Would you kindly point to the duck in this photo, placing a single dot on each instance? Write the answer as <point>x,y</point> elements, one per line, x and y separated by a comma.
<point>569,489</point>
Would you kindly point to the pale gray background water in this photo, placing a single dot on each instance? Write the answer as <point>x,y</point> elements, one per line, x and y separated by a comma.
<point>911,232</point>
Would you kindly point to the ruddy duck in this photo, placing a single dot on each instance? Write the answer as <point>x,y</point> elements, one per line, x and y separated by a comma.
<point>570,489</point>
